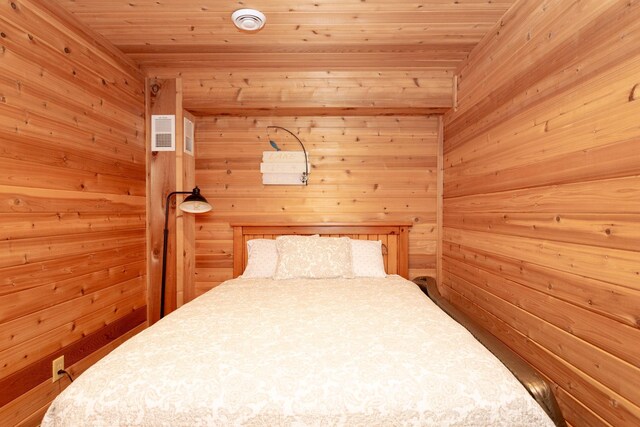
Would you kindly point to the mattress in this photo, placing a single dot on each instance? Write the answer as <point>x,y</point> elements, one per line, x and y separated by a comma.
<point>363,352</point>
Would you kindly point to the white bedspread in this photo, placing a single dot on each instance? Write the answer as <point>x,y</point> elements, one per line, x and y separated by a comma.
<point>360,352</point>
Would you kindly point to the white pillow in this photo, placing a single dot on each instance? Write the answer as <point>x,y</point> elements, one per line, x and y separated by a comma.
<point>366,258</point>
<point>262,259</point>
<point>313,257</point>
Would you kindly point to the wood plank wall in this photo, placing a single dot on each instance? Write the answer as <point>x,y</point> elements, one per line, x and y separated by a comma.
<point>542,198</point>
<point>72,202</point>
<point>375,168</point>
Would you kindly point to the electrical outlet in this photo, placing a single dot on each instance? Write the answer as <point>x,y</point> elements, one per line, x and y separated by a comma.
<point>56,366</point>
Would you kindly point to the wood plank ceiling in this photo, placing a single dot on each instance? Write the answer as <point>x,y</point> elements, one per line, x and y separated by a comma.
<point>313,57</point>
<point>298,35</point>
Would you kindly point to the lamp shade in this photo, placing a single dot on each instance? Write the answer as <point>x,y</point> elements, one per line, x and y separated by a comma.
<point>195,203</point>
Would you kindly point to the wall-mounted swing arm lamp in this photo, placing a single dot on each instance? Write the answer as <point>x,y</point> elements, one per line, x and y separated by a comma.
<point>305,175</point>
<point>194,203</point>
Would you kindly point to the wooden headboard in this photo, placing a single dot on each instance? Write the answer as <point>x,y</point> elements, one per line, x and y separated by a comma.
<point>394,237</point>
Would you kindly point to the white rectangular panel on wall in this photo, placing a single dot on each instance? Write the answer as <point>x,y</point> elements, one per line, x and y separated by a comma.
<point>188,136</point>
<point>283,167</point>
<point>163,133</point>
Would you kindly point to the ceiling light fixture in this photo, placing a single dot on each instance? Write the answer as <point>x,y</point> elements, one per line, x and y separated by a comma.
<point>248,19</point>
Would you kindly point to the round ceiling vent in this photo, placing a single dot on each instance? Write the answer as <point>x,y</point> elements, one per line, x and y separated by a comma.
<point>248,19</point>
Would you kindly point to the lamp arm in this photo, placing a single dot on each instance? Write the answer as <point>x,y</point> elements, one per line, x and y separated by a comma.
<point>304,150</point>
<point>164,248</point>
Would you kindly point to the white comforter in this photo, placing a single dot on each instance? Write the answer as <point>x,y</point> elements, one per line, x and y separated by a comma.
<point>361,352</point>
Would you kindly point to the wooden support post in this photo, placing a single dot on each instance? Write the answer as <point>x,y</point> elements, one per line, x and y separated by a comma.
<point>185,223</point>
<point>169,171</point>
<point>440,204</point>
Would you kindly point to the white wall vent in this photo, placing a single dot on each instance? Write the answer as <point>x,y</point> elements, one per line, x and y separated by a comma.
<point>188,136</point>
<point>163,133</point>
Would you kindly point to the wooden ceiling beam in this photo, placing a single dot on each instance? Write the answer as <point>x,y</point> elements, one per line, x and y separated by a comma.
<point>431,49</point>
<point>316,111</point>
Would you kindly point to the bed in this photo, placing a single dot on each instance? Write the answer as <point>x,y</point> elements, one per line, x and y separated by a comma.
<point>303,351</point>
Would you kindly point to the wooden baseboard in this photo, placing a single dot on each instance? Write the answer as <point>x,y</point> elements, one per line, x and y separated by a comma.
<point>30,376</point>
